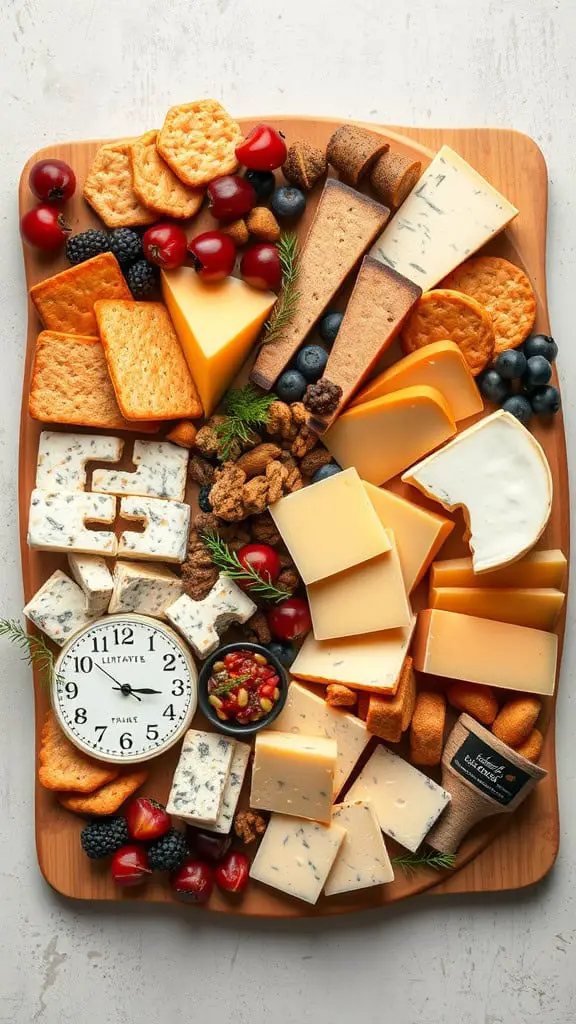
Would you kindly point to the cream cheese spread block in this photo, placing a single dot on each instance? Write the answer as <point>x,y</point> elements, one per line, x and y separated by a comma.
<point>144,589</point>
<point>57,522</point>
<point>160,473</point>
<point>165,537</point>
<point>201,776</point>
<point>94,577</point>
<point>201,622</point>
<point>406,802</point>
<point>62,458</point>
<point>294,774</point>
<point>295,856</point>
<point>363,859</point>
<point>369,662</point>
<point>59,608</point>
<point>232,790</point>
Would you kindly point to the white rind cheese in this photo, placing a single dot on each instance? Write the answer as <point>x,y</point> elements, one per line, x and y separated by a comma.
<point>406,802</point>
<point>165,537</point>
<point>451,212</point>
<point>201,776</point>
<point>62,458</point>
<point>231,795</point>
<point>57,522</point>
<point>161,472</point>
<point>143,589</point>
<point>497,472</point>
<point>94,577</point>
<point>363,859</point>
<point>59,608</point>
<point>295,856</point>
<point>202,622</point>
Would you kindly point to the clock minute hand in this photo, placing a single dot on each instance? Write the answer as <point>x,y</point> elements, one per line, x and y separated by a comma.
<point>125,688</point>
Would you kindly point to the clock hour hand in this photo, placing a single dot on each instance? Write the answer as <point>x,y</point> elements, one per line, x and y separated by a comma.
<point>143,689</point>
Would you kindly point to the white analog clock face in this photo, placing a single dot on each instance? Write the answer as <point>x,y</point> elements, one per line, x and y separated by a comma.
<point>125,688</point>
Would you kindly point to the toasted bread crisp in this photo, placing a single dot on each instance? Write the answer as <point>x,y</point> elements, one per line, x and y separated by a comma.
<point>155,183</point>
<point>147,366</point>
<point>353,151</point>
<point>516,719</point>
<point>393,177</point>
<point>108,799</point>
<point>65,302</point>
<point>109,188</point>
<point>427,728</point>
<point>64,767</point>
<point>70,383</point>
<point>506,293</point>
<point>198,140</point>
<point>389,717</point>
<point>443,314</point>
<point>478,701</point>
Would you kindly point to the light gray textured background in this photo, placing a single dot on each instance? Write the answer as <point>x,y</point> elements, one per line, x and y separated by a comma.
<point>89,68</point>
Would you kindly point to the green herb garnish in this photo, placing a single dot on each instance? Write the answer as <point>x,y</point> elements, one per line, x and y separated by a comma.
<point>36,650</point>
<point>226,687</point>
<point>285,307</point>
<point>246,409</point>
<point>425,858</point>
<point>228,563</point>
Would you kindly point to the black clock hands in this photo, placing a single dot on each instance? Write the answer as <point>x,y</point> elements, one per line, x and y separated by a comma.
<point>144,689</point>
<point>133,691</point>
<point>124,688</point>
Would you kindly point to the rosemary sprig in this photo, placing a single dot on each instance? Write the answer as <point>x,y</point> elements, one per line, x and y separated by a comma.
<point>285,307</point>
<point>226,687</point>
<point>425,858</point>
<point>229,564</point>
<point>245,410</point>
<point>36,650</point>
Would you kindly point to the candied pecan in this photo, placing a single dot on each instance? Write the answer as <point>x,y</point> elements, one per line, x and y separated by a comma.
<point>276,474</point>
<point>200,470</point>
<point>293,481</point>
<point>264,529</point>
<point>298,412</point>
<point>206,522</point>
<point>257,629</point>
<point>198,581</point>
<point>280,420</point>
<point>262,223</point>
<point>227,494</point>
<point>314,460</point>
<point>304,442</point>
<point>206,441</point>
<point>288,579</point>
<point>323,397</point>
<point>254,462</point>
<point>339,696</point>
<point>304,165</point>
<point>249,825</point>
<point>255,495</point>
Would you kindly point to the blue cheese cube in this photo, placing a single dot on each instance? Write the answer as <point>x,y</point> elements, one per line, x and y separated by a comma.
<point>232,791</point>
<point>202,622</point>
<point>144,589</point>
<point>201,776</point>
<point>62,458</point>
<point>295,856</point>
<point>161,472</point>
<point>166,526</point>
<point>59,608</point>
<point>363,859</point>
<point>94,577</point>
<point>57,522</point>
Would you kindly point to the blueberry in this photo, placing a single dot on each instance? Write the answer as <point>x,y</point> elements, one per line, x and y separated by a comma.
<point>518,406</point>
<point>545,400</point>
<point>326,471</point>
<point>285,653</point>
<point>263,183</point>
<point>538,371</point>
<point>204,498</point>
<point>541,345</point>
<point>329,326</point>
<point>493,386</point>
<point>510,364</point>
<point>291,386</point>
<point>311,361</point>
<point>288,202</point>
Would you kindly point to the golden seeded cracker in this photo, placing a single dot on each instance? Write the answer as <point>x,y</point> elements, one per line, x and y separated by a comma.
<point>65,302</point>
<point>156,185</point>
<point>199,140</point>
<point>108,188</point>
<point>149,372</point>
<point>108,799</point>
<point>442,315</point>
<point>506,293</point>
<point>64,767</point>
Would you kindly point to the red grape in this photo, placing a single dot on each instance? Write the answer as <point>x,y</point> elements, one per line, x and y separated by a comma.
<point>52,181</point>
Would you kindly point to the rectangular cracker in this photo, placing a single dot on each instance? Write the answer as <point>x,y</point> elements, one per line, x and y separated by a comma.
<point>64,767</point>
<point>106,800</point>
<point>65,302</point>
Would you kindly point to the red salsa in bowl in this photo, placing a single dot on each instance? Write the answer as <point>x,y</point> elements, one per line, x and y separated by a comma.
<point>242,688</point>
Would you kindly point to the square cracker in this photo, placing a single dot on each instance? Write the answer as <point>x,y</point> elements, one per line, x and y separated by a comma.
<point>64,767</point>
<point>198,140</point>
<point>70,383</point>
<point>65,302</point>
<point>108,799</point>
<point>155,183</point>
<point>109,188</point>
<point>147,366</point>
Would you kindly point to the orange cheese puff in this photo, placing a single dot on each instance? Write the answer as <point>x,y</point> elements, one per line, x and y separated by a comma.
<point>532,747</point>
<point>427,728</point>
<point>478,701</point>
<point>516,719</point>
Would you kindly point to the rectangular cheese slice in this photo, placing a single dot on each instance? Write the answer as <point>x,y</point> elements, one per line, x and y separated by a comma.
<point>217,325</point>
<point>160,472</point>
<point>539,609</point>
<point>406,802</point>
<point>59,608</point>
<point>144,589</point>
<point>418,533</point>
<point>62,458</point>
<point>536,569</point>
<point>482,651</point>
<point>330,526</point>
<point>295,856</point>
<point>231,794</point>
<point>166,527</point>
<point>440,365</point>
<point>370,662</point>
<point>382,438</point>
<point>345,223</point>
<point>306,714</point>
<point>294,774</point>
<point>363,859</point>
<point>94,577</point>
<point>364,599</point>
<point>201,776</point>
<point>451,212</point>
<point>57,522</point>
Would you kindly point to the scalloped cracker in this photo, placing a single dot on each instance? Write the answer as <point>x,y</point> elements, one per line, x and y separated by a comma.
<point>155,183</point>
<point>198,140</point>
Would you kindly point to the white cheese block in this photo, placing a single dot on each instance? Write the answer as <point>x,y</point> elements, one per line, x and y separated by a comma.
<point>372,661</point>
<point>407,802</point>
<point>231,795</point>
<point>497,472</point>
<point>293,774</point>
<point>165,536</point>
<point>57,522</point>
<point>94,577</point>
<point>201,623</point>
<point>201,776</point>
<point>304,713</point>
<point>62,458</point>
<point>59,608</point>
<point>295,856</point>
<point>363,858</point>
<point>451,212</point>
<point>161,472</point>
<point>144,589</point>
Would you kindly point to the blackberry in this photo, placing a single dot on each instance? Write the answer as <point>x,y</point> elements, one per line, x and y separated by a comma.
<point>126,245</point>
<point>87,244</point>
<point>204,498</point>
<point>103,838</point>
<point>142,278</point>
<point>168,852</point>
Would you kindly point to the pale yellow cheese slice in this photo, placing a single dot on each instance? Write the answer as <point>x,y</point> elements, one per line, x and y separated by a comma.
<point>294,775</point>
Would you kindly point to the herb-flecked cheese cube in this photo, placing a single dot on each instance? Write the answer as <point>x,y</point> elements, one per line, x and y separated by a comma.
<point>232,790</point>
<point>201,776</point>
<point>62,458</point>
<point>161,472</point>
<point>295,856</point>
<point>94,577</point>
<point>202,623</point>
<point>294,775</point>
<point>166,526</point>
<point>363,859</point>
<point>144,589</point>
<point>59,608</point>
<point>57,522</point>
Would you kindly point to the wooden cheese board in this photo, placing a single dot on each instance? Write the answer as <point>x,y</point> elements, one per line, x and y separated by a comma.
<point>505,853</point>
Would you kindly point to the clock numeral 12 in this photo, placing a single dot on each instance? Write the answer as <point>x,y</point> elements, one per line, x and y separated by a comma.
<point>123,636</point>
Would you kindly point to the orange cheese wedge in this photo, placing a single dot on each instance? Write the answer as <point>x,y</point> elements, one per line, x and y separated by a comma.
<point>536,569</point>
<point>538,609</point>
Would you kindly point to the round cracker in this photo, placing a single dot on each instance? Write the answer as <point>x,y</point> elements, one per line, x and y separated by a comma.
<point>504,290</point>
<point>155,183</point>
<point>442,314</point>
<point>198,140</point>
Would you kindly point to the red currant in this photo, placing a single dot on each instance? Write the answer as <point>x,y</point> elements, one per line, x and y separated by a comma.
<point>45,228</point>
<point>213,255</point>
<point>260,267</point>
<point>165,245</point>
<point>290,619</point>
<point>263,149</point>
<point>52,181</point>
<point>262,559</point>
<point>230,197</point>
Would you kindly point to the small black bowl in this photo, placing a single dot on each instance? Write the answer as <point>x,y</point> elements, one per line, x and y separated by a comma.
<point>233,728</point>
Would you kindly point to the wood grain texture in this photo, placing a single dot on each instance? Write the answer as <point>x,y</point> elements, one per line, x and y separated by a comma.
<point>500,854</point>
